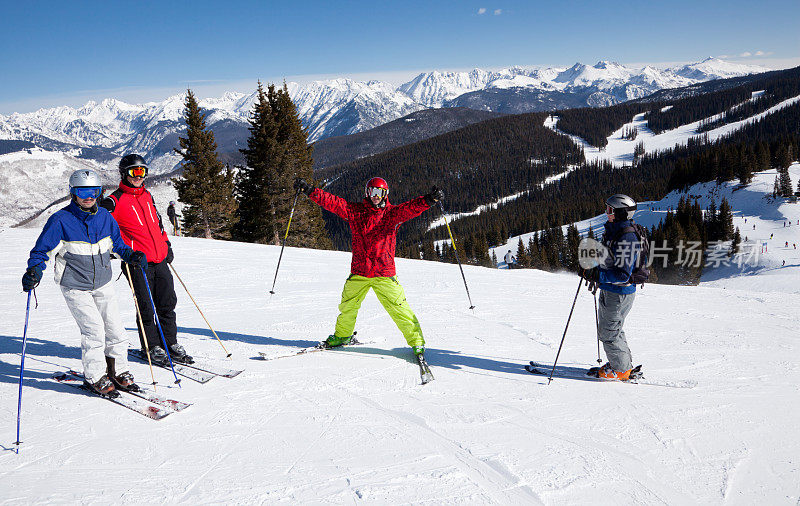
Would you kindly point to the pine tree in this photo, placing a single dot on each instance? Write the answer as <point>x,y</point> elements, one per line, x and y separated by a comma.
<point>522,255</point>
<point>308,227</point>
<point>784,183</point>
<point>737,239</point>
<point>257,186</point>
<point>205,185</point>
<point>725,220</point>
<point>277,153</point>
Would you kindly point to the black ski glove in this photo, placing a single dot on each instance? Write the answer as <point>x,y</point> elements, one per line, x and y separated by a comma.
<point>31,278</point>
<point>592,277</point>
<point>138,259</point>
<point>303,187</point>
<point>170,254</point>
<point>436,194</point>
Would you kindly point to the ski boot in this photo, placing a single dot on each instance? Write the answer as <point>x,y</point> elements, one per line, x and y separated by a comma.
<point>158,356</point>
<point>178,354</point>
<point>125,382</point>
<point>334,341</point>
<point>606,372</point>
<point>103,387</point>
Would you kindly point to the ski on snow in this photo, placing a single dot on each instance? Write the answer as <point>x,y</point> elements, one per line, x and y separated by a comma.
<point>132,403</point>
<point>581,373</point>
<point>199,372</point>
<point>311,349</point>
<point>147,394</point>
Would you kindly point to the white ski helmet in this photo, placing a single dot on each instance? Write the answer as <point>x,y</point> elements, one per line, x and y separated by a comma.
<point>84,178</point>
<point>624,207</point>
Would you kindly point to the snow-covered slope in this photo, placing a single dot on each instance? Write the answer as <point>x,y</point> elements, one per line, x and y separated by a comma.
<point>767,224</point>
<point>619,150</point>
<point>355,426</point>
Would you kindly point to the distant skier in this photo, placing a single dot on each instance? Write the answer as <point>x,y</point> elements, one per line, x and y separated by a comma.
<point>173,218</point>
<point>373,225</point>
<point>79,239</point>
<point>510,260</point>
<point>140,224</point>
<point>617,291</point>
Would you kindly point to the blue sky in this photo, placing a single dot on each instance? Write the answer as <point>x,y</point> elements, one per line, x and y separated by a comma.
<point>65,53</point>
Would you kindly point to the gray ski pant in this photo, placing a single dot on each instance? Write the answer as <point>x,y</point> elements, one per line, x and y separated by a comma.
<point>612,311</point>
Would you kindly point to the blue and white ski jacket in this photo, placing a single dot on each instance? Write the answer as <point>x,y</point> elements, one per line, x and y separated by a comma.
<point>615,274</point>
<point>80,243</point>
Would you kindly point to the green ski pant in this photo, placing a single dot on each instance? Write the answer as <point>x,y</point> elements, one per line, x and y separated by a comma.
<point>390,294</point>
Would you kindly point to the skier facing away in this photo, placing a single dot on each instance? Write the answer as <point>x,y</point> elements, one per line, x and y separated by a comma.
<point>141,227</point>
<point>173,218</point>
<point>510,260</point>
<point>617,292</point>
<point>79,239</point>
<point>373,225</point>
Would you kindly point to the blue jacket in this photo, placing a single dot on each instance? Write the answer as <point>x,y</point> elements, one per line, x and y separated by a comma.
<point>81,243</point>
<point>615,273</point>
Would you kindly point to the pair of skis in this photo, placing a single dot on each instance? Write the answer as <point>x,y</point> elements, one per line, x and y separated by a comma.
<point>425,373</point>
<point>200,371</point>
<point>589,374</point>
<point>144,401</point>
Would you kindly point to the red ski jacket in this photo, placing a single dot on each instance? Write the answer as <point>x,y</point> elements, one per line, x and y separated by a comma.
<point>139,222</point>
<point>373,230</point>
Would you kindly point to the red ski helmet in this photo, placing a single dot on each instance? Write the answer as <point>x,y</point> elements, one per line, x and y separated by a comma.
<point>376,186</point>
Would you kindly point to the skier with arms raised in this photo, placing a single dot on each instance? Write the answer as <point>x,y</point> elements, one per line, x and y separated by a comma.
<point>373,225</point>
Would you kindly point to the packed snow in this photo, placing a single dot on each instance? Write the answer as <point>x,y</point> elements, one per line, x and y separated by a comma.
<point>356,426</point>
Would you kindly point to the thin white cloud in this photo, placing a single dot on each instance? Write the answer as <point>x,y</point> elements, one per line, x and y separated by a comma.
<point>482,11</point>
<point>746,54</point>
<point>497,12</point>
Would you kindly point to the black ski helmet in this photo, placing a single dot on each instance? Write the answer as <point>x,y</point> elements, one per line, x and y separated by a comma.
<point>623,206</point>
<point>131,160</point>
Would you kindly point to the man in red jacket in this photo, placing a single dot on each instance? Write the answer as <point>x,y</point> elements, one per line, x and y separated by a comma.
<point>373,226</point>
<point>140,225</point>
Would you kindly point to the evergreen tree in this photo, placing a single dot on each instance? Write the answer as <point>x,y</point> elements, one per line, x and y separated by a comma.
<point>725,221</point>
<point>308,227</point>
<point>737,240</point>
<point>277,152</point>
<point>205,185</point>
<point>784,183</point>
<point>257,185</point>
<point>522,255</point>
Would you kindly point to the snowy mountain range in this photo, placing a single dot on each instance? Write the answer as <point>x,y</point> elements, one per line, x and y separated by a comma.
<point>97,133</point>
<point>344,106</point>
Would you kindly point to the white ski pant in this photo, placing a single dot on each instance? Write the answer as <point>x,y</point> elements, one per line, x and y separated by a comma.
<point>102,332</point>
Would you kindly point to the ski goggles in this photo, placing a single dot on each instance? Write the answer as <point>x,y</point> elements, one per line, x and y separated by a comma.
<point>87,192</point>
<point>374,191</point>
<point>137,171</point>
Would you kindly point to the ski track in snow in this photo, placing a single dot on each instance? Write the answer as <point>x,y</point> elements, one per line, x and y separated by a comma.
<point>355,426</point>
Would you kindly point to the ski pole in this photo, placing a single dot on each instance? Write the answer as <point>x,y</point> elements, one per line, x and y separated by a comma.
<point>597,323</point>
<point>141,324</point>
<point>198,308</point>
<point>580,282</point>
<point>22,367</point>
<point>158,323</point>
<point>455,250</point>
<point>283,243</point>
